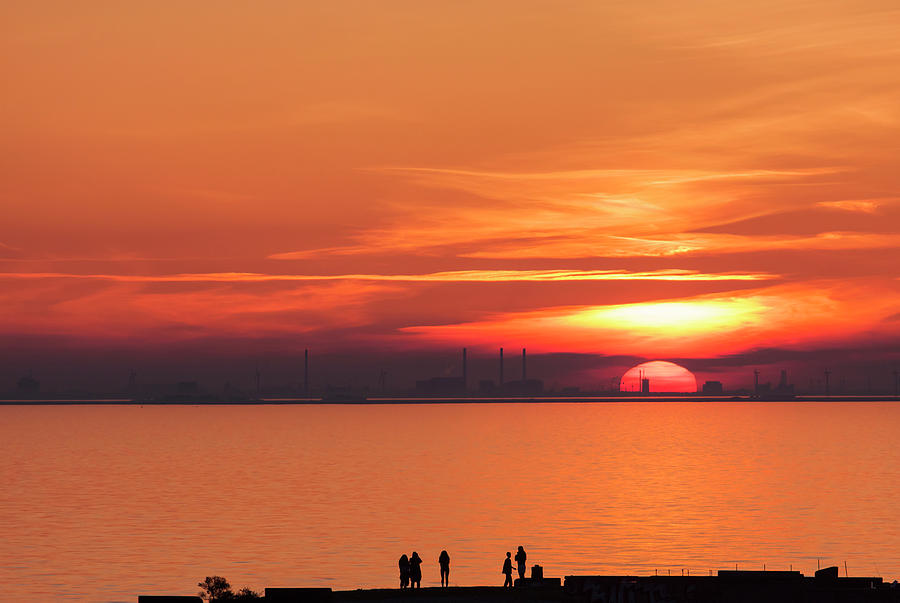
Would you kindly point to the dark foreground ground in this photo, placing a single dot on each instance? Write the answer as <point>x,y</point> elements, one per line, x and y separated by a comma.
<point>216,400</point>
<point>726,587</point>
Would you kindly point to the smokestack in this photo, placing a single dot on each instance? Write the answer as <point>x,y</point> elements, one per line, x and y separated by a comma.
<point>465,372</point>
<point>306,372</point>
<point>501,368</point>
<point>523,365</point>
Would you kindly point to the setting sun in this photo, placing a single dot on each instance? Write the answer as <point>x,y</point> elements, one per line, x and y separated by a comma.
<point>658,376</point>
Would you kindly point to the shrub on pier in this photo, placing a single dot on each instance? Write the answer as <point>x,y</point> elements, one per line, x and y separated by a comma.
<point>216,589</point>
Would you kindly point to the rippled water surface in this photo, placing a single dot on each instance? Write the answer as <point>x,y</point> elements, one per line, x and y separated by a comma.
<point>105,503</point>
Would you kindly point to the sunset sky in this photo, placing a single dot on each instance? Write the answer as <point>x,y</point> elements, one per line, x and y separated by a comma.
<point>603,182</point>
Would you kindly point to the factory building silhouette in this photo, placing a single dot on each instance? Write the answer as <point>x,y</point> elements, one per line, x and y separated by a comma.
<point>28,385</point>
<point>713,388</point>
<point>456,386</point>
<point>765,390</point>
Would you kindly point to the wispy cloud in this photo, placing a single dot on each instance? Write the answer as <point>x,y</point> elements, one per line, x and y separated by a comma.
<point>648,176</point>
<point>687,244</point>
<point>116,306</point>
<point>872,31</point>
<point>9,252</point>
<point>869,206</point>
<point>569,213</point>
<point>456,276</point>
<point>595,244</point>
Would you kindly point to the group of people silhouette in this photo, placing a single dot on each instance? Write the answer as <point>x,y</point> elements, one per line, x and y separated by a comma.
<point>520,566</point>
<point>411,569</point>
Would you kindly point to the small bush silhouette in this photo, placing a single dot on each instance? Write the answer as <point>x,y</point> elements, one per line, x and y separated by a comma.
<point>245,594</point>
<point>216,589</point>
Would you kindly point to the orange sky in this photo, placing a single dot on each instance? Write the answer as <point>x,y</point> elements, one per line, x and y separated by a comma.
<point>682,179</point>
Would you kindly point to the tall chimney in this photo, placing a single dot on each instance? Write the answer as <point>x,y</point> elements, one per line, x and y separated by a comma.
<point>465,372</point>
<point>306,372</point>
<point>501,368</point>
<point>523,365</point>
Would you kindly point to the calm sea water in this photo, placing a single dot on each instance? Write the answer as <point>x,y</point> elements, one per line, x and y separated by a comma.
<point>104,503</point>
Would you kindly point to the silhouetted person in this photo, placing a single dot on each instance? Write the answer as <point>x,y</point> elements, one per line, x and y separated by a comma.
<point>404,571</point>
<point>444,562</point>
<point>520,562</point>
<point>507,569</point>
<point>415,570</point>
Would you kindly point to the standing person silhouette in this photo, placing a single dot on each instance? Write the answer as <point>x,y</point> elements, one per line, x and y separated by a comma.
<point>520,562</point>
<point>444,562</point>
<point>507,569</point>
<point>415,570</point>
<point>404,571</point>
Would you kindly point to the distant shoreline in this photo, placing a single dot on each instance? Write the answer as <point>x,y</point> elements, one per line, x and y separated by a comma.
<point>201,401</point>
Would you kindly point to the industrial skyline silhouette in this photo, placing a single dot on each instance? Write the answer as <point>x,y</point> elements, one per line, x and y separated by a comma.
<point>644,378</point>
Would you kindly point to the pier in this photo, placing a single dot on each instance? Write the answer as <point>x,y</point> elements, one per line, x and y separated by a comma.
<point>726,586</point>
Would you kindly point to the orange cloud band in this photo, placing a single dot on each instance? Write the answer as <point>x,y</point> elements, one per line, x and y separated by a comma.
<point>456,276</point>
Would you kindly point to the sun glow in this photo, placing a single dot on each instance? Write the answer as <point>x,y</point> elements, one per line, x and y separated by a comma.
<point>681,317</point>
<point>695,327</point>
